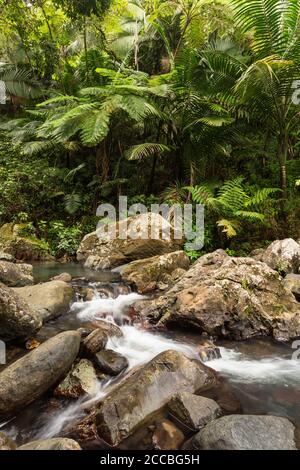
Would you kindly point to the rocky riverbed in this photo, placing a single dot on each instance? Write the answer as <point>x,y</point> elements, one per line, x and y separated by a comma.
<point>92,364</point>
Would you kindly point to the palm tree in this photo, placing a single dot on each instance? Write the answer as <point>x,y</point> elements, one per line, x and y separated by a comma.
<point>263,83</point>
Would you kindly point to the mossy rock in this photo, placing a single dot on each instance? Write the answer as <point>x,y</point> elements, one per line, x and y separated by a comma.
<point>27,248</point>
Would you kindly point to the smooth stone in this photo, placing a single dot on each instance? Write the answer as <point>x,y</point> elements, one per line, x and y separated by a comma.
<point>48,300</point>
<point>17,318</point>
<point>94,342</point>
<point>192,410</point>
<point>111,362</point>
<point>245,432</point>
<point>15,275</point>
<point>29,377</point>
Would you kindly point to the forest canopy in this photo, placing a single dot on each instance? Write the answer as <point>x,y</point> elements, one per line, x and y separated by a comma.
<point>160,100</point>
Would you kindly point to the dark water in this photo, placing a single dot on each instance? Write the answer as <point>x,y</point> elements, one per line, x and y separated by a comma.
<point>44,271</point>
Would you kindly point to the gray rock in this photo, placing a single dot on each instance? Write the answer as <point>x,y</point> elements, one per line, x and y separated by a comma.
<point>65,277</point>
<point>245,432</point>
<point>81,380</point>
<point>57,443</point>
<point>192,410</point>
<point>6,443</point>
<point>235,298</point>
<point>100,251</point>
<point>29,377</point>
<point>283,256</point>
<point>94,342</point>
<point>292,282</point>
<point>150,273</point>
<point>145,391</point>
<point>48,300</point>
<point>14,275</point>
<point>110,362</point>
<point>17,319</point>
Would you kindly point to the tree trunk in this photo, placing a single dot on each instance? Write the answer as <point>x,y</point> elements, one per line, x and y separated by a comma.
<point>282,156</point>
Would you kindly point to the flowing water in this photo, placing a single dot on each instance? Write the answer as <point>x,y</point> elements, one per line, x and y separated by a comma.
<point>263,375</point>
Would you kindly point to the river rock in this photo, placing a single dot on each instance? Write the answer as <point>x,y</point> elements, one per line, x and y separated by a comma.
<point>13,274</point>
<point>245,432</point>
<point>21,247</point>
<point>57,443</point>
<point>192,410</point>
<point>292,282</point>
<point>48,300</point>
<point>17,319</point>
<point>102,251</point>
<point>137,397</point>
<point>235,298</point>
<point>65,277</point>
<point>151,273</point>
<point>6,443</point>
<point>110,362</point>
<point>167,436</point>
<point>111,329</point>
<point>94,342</point>
<point>282,255</point>
<point>29,377</point>
<point>81,380</point>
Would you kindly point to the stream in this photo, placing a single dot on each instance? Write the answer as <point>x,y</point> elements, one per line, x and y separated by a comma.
<point>262,373</point>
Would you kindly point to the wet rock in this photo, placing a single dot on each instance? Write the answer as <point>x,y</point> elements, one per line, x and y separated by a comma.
<point>101,251</point>
<point>20,247</point>
<point>29,377</point>
<point>147,390</point>
<point>149,273</point>
<point>14,275</point>
<point>192,410</point>
<point>245,432</point>
<point>57,443</point>
<point>65,277</point>
<point>110,362</point>
<point>17,319</point>
<point>282,255</point>
<point>48,300</point>
<point>94,342</point>
<point>111,329</point>
<point>6,443</point>
<point>81,380</point>
<point>208,351</point>
<point>234,298</point>
<point>167,436</point>
<point>292,282</point>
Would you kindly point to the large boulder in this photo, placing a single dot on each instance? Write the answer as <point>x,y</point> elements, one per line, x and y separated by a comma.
<point>48,300</point>
<point>25,248</point>
<point>29,377</point>
<point>110,362</point>
<point>15,275</point>
<point>17,319</point>
<point>281,255</point>
<point>152,273</point>
<point>245,432</point>
<point>57,443</point>
<point>136,398</point>
<point>236,298</point>
<point>133,241</point>
<point>192,410</point>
